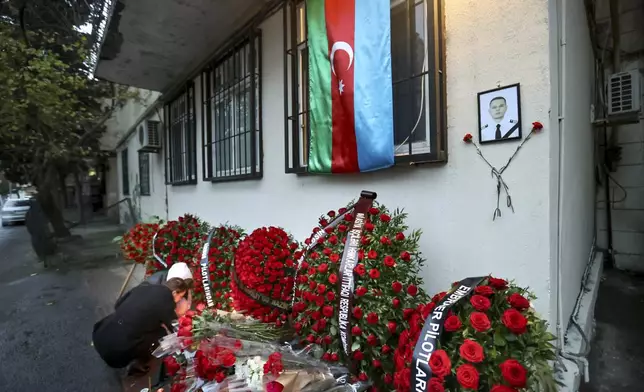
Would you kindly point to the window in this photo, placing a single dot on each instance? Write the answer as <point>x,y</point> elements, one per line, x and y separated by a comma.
<point>144,173</point>
<point>125,172</point>
<point>232,114</point>
<point>181,139</point>
<point>418,83</point>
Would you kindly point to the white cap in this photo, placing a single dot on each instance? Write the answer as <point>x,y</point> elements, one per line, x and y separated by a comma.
<point>179,270</point>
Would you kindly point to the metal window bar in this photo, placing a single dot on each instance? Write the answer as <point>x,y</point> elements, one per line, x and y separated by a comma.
<point>427,142</point>
<point>144,173</point>
<point>232,123</point>
<point>125,172</point>
<point>181,157</point>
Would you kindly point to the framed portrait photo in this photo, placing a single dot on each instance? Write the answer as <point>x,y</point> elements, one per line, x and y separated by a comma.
<point>500,114</point>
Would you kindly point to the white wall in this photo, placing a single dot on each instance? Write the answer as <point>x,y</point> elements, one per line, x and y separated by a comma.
<point>452,204</point>
<point>572,154</point>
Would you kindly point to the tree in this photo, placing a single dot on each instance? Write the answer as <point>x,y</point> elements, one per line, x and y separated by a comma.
<point>52,112</point>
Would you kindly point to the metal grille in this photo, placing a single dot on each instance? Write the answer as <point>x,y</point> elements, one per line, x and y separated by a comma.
<point>125,172</point>
<point>181,157</point>
<point>232,113</point>
<point>144,173</point>
<point>418,82</point>
<point>621,93</point>
<point>153,133</point>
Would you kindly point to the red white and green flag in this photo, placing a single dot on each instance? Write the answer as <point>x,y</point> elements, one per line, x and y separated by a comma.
<point>351,104</point>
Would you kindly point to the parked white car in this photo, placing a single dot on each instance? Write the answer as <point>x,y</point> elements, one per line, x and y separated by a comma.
<point>14,211</point>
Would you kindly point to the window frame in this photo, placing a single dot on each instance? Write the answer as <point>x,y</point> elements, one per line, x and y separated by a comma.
<point>435,94</point>
<point>189,121</point>
<point>147,189</point>
<point>125,172</point>
<point>248,82</point>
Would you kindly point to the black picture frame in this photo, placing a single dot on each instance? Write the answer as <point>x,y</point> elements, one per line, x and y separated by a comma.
<point>509,127</point>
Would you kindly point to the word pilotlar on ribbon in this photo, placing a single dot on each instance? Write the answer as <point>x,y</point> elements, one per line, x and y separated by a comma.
<point>430,335</point>
<point>205,272</point>
<point>498,173</point>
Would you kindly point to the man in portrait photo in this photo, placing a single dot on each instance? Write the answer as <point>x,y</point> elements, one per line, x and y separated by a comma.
<point>501,127</point>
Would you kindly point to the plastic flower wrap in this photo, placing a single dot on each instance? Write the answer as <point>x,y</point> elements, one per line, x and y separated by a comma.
<point>492,340</point>
<point>136,244</point>
<point>262,279</point>
<point>223,245</point>
<point>386,290</point>
<point>179,241</point>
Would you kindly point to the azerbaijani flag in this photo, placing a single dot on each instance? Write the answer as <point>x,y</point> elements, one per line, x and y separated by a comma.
<point>351,104</point>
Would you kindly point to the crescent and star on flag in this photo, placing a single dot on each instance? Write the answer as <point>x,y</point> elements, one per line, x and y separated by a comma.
<point>345,47</point>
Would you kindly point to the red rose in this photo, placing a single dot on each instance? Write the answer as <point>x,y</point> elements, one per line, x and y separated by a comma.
<point>228,359</point>
<point>471,351</point>
<point>385,218</point>
<point>333,278</point>
<point>412,290</point>
<point>356,331</point>
<point>514,321</point>
<point>518,301</point>
<point>396,287</point>
<point>385,349</point>
<point>323,267</point>
<point>372,318</point>
<point>369,226</point>
<point>479,321</point>
<point>374,211</point>
<point>388,378</point>
<point>514,373</point>
<point>400,236</point>
<point>335,357</point>
<point>502,388</point>
<point>499,284</point>
<point>389,261</point>
<point>376,363</point>
<point>484,290</point>
<point>372,254</point>
<point>374,274</point>
<point>391,326</point>
<point>480,303</point>
<point>372,340</point>
<point>360,269</point>
<point>357,312</point>
<point>395,303</point>
<point>360,291</point>
<point>467,138</point>
<point>334,257</point>
<point>327,311</point>
<point>440,364</point>
<point>358,355</point>
<point>435,385</point>
<point>171,365</point>
<point>330,296</point>
<point>274,386</point>
<point>467,376</point>
<point>452,324</point>
<point>405,256</point>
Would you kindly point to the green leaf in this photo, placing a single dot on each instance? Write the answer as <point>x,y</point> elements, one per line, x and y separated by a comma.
<point>355,346</point>
<point>334,330</point>
<point>498,340</point>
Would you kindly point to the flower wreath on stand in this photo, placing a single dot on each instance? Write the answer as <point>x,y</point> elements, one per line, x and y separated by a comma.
<point>497,174</point>
<point>179,241</point>
<point>492,340</point>
<point>386,289</point>
<point>262,275</point>
<point>136,244</point>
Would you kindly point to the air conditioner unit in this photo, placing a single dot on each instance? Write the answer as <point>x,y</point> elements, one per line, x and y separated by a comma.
<point>625,91</point>
<point>149,136</point>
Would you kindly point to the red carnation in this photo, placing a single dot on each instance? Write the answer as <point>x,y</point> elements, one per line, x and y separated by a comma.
<point>537,126</point>
<point>480,303</point>
<point>484,290</point>
<point>468,377</point>
<point>499,284</point>
<point>518,301</point>
<point>514,321</point>
<point>514,373</point>
<point>440,364</point>
<point>452,324</point>
<point>471,351</point>
<point>467,138</point>
<point>479,321</point>
<point>372,318</point>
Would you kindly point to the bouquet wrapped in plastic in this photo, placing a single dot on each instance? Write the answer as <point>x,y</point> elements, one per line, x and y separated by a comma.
<point>220,351</point>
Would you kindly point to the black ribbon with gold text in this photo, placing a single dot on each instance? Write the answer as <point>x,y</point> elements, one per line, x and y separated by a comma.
<point>421,373</point>
<point>349,261</point>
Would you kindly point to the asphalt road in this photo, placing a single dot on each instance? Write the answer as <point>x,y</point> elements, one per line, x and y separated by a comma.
<point>46,319</point>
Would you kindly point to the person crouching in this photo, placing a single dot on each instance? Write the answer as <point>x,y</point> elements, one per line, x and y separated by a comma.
<point>127,337</point>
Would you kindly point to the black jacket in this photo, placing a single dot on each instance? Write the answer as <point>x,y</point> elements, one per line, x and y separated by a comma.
<point>158,277</point>
<point>135,327</point>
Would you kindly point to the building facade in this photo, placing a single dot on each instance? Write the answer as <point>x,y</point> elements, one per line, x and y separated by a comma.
<point>233,117</point>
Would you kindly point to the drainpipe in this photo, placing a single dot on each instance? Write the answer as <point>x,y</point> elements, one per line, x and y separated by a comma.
<point>561,111</point>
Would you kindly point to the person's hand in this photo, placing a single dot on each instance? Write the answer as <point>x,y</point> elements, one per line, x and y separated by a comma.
<point>182,307</point>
